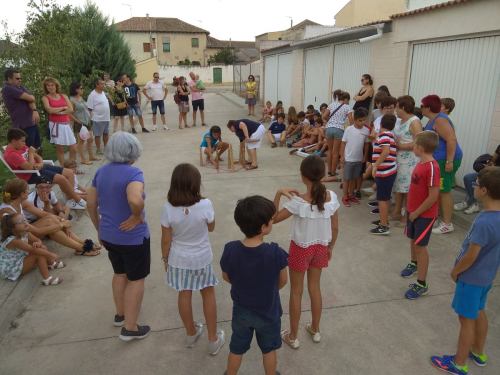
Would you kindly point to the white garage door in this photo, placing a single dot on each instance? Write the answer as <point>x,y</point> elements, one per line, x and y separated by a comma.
<point>317,76</point>
<point>467,70</point>
<point>350,62</point>
<point>271,78</point>
<point>285,79</point>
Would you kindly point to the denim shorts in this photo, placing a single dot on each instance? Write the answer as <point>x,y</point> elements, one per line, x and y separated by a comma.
<point>334,133</point>
<point>157,104</point>
<point>47,173</point>
<point>469,299</point>
<point>244,323</point>
<point>134,108</point>
<point>384,187</point>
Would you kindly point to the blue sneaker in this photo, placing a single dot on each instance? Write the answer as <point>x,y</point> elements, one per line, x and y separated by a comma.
<point>416,290</point>
<point>409,270</point>
<point>446,363</point>
<point>478,359</point>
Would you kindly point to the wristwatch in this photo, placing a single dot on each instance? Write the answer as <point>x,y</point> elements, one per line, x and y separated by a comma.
<point>449,161</point>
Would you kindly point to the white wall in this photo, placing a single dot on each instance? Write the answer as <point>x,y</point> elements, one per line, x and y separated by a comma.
<point>417,4</point>
<point>167,73</point>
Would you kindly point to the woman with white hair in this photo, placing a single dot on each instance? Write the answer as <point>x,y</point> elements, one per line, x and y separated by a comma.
<point>116,206</point>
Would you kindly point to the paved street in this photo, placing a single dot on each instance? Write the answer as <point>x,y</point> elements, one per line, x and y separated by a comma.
<point>368,327</point>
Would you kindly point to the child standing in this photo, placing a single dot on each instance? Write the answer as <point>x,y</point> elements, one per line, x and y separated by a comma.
<point>422,209</point>
<point>353,152</point>
<point>384,171</point>
<point>186,220</point>
<point>256,271</point>
<point>474,272</point>
<point>277,131</point>
<point>314,233</point>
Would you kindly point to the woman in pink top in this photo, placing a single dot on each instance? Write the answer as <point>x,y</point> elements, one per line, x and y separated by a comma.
<point>59,107</point>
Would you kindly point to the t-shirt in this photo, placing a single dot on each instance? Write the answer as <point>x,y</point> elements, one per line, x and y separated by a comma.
<point>19,110</point>
<point>388,166</point>
<point>424,176</point>
<point>277,128</point>
<point>16,158</point>
<point>81,111</point>
<point>252,127</point>
<point>111,181</point>
<point>378,120</point>
<point>156,90</point>
<point>483,232</point>
<point>195,95</point>
<point>131,93</point>
<point>190,248</point>
<point>204,143</point>
<point>99,105</point>
<point>37,202</point>
<point>254,275</point>
<point>355,140</point>
<point>338,118</point>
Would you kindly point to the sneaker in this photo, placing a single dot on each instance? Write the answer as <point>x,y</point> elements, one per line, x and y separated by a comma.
<point>381,229</point>
<point>409,270</point>
<point>472,209</point>
<point>165,127</point>
<point>443,228</point>
<point>446,363</point>
<point>142,332</point>
<point>368,191</point>
<point>417,290</point>
<point>134,131</point>
<point>354,200</point>
<point>376,223</point>
<point>375,211</point>
<point>346,201</point>
<point>460,206</point>
<point>215,347</point>
<point>479,359</point>
<point>285,337</point>
<point>155,128</point>
<point>357,194</point>
<point>74,205</point>
<point>373,196</point>
<point>144,130</point>
<point>373,203</point>
<point>191,340</point>
<point>316,336</point>
<point>119,320</point>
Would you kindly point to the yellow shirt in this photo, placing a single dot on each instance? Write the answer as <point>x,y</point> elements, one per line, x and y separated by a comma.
<point>251,88</point>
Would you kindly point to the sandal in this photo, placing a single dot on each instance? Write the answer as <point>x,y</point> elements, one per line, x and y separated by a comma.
<point>57,265</point>
<point>251,167</point>
<point>285,336</point>
<point>51,281</point>
<point>86,162</point>
<point>94,159</point>
<point>79,171</point>
<point>88,249</point>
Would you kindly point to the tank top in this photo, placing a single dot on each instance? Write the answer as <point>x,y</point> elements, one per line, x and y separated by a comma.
<point>6,205</point>
<point>365,103</point>
<point>58,103</point>
<point>440,152</point>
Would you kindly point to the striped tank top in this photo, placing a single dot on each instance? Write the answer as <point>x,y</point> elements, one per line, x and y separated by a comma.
<point>388,166</point>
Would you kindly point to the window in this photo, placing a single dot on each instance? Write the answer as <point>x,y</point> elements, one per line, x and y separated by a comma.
<point>195,42</point>
<point>166,46</point>
<point>146,47</point>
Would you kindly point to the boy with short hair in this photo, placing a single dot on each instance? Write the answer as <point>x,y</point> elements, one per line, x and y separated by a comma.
<point>447,105</point>
<point>277,131</point>
<point>474,272</point>
<point>387,107</point>
<point>353,151</point>
<point>256,271</point>
<point>294,132</point>
<point>384,171</point>
<point>422,211</point>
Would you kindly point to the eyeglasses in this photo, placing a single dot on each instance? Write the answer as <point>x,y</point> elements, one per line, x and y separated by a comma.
<point>156,77</point>
<point>17,78</point>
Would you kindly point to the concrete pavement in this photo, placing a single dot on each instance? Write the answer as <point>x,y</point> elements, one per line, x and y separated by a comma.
<point>368,327</point>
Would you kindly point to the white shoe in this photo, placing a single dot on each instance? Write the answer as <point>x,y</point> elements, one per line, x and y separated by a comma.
<point>373,196</point>
<point>368,191</point>
<point>460,206</point>
<point>155,128</point>
<point>472,209</point>
<point>191,340</point>
<point>215,347</point>
<point>443,228</point>
<point>74,205</point>
<point>316,336</point>
<point>165,127</point>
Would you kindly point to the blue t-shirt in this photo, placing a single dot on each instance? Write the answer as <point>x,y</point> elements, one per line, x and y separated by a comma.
<point>131,93</point>
<point>111,181</point>
<point>484,232</point>
<point>277,128</point>
<point>440,152</point>
<point>213,141</point>
<point>252,127</point>
<point>254,275</point>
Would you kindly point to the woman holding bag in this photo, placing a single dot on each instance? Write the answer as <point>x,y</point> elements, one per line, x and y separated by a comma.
<point>119,109</point>
<point>251,99</point>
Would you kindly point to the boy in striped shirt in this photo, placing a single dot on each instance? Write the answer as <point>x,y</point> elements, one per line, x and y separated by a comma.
<point>384,171</point>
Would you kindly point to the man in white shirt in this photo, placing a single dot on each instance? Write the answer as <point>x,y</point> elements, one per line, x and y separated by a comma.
<point>98,105</point>
<point>156,92</point>
<point>197,98</point>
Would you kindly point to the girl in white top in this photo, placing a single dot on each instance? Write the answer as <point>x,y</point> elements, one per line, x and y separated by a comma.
<point>314,233</point>
<point>185,222</point>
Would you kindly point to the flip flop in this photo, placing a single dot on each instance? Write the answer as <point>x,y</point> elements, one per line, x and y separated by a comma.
<point>252,167</point>
<point>86,162</point>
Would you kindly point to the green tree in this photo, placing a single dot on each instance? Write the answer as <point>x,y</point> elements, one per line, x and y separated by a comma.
<point>224,56</point>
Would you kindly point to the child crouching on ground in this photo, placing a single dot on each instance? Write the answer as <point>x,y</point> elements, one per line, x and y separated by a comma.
<point>256,271</point>
<point>277,131</point>
<point>474,272</point>
<point>267,112</point>
<point>212,142</point>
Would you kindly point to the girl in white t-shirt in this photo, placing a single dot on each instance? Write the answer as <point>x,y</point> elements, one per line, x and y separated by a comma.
<point>186,220</point>
<point>314,233</point>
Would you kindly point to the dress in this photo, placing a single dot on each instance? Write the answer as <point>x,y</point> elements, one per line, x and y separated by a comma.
<point>11,260</point>
<point>406,160</point>
<point>251,88</point>
<point>61,132</point>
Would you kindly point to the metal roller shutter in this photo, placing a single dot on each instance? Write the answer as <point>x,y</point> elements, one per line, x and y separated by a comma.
<point>317,76</point>
<point>271,78</point>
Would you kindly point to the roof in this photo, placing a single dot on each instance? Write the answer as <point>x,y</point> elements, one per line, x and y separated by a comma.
<point>216,43</point>
<point>303,24</point>
<point>429,8</point>
<point>6,45</point>
<point>158,24</point>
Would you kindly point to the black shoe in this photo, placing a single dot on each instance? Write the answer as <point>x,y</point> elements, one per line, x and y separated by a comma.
<point>373,203</point>
<point>134,131</point>
<point>381,229</point>
<point>119,320</point>
<point>357,194</point>
<point>375,211</point>
<point>144,130</point>
<point>376,223</point>
<point>274,145</point>
<point>142,332</point>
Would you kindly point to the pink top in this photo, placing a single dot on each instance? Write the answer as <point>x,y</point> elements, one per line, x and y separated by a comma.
<point>195,95</point>
<point>58,103</point>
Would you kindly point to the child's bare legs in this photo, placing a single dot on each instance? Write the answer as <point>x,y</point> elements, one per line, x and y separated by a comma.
<point>31,261</point>
<point>383,207</point>
<point>283,138</point>
<point>210,312</point>
<point>465,339</point>
<point>398,205</point>
<point>186,311</point>
<point>66,185</point>
<point>270,362</point>
<point>72,152</point>
<point>422,261</point>
<point>233,363</point>
<point>335,154</point>
<point>413,251</point>
<point>481,331</point>
<point>60,154</point>
<point>131,121</point>
<point>358,183</point>
<point>296,290</point>
<point>313,286</point>
<point>270,137</point>
<point>345,188</point>
<point>329,157</point>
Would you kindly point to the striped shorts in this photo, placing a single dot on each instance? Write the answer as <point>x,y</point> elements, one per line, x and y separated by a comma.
<point>181,279</point>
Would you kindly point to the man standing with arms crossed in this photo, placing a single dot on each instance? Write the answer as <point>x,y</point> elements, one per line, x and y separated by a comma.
<point>156,92</point>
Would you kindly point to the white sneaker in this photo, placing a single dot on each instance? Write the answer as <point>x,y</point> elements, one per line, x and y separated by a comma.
<point>215,347</point>
<point>373,196</point>
<point>472,209</point>
<point>155,128</point>
<point>165,127</point>
<point>191,340</point>
<point>460,206</point>
<point>368,191</point>
<point>443,228</point>
<point>74,205</point>
<point>316,336</point>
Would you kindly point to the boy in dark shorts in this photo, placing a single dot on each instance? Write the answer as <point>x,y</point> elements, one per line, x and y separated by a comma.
<point>256,271</point>
<point>474,272</point>
<point>422,210</point>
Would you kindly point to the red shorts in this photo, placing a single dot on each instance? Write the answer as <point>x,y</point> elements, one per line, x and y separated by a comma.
<point>301,259</point>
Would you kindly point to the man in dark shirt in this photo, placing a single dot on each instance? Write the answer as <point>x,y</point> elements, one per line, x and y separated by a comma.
<point>133,94</point>
<point>21,107</point>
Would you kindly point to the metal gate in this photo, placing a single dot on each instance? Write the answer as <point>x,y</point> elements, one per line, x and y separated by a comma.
<point>318,76</point>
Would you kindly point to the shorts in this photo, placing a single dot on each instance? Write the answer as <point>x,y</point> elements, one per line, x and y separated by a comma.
<point>334,133</point>
<point>469,299</point>
<point>448,178</point>
<point>419,230</point>
<point>100,128</point>
<point>134,108</point>
<point>198,104</point>
<point>257,135</point>
<point>251,101</point>
<point>183,107</point>
<point>47,173</point>
<point>276,136</point>
<point>155,104</point>
<point>244,323</point>
<point>33,136</point>
<point>182,279</point>
<point>352,170</point>
<point>384,187</point>
<point>132,260</point>
<point>300,259</point>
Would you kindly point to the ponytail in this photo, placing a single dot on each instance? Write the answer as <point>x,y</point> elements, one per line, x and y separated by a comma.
<point>7,225</point>
<point>318,195</point>
<point>6,197</point>
<point>313,168</point>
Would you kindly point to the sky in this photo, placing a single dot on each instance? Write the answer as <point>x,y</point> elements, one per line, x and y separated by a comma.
<point>224,19</point>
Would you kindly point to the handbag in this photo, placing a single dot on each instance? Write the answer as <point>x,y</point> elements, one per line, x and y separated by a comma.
<point>84,133</point>
<point>121,105</point>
